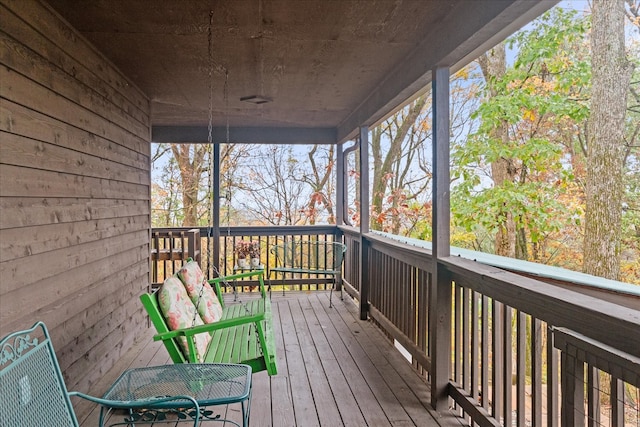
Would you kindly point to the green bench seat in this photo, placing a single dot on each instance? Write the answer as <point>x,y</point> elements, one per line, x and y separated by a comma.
<point>243,335</point>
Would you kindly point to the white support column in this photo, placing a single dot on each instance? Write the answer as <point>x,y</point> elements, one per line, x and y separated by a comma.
<point>440,309</point>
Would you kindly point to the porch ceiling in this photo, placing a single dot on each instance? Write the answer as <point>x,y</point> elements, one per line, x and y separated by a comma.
<point>327,66</point>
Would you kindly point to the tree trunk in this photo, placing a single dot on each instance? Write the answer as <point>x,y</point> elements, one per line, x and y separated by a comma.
<point>191,166</point>
<point>494,65</point>
<point>383,167</point>
<point>611,74</point>
<point>319,181</point>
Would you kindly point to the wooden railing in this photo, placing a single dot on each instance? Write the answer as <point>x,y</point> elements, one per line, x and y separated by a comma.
<point>505,369</point>
<point>170,248</point>
<point>506,366</point>
<point>267,238</point>
<point>596,375</point>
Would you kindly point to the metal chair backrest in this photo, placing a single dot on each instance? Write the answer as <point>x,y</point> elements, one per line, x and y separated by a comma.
<point>310,255</point>
<point>32,389</point>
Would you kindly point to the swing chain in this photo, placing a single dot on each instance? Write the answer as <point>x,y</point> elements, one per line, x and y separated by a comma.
<point>210,141</point>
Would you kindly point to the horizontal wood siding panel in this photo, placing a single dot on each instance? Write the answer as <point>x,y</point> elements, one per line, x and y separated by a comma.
<point>39,46</point>
<point>28,63</point>
<point>40,183</point>
<point>33,211</point>
<point>90,299</point>
<point>65,43</point>
<point>28,123</point>
<point>26,152</point>
<point>75,194</point>
<point>33,95</point>
<point>21,272</point>
<point>124,307</point>
<point>17,242</point>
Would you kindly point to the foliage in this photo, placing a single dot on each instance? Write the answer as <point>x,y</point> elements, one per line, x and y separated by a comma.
<point>275,187</point>
<point>248,249</point>
<point>542,101</point>
<point>536,100</point>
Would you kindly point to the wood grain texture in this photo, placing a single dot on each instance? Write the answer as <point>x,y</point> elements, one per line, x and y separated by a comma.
<point>23,90</point>
<point>349,372</point>
<point>24,61</point>
<point>25,152</point>
<point>64,39</point>
<point>18,212</point>
<point>75,174</point>
<point>28,123</point>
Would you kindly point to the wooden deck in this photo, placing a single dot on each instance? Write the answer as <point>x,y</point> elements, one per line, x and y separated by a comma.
<point>334,370</point>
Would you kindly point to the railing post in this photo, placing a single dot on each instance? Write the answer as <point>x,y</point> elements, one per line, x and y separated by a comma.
<point>440,309</point>
<point>364,222</point>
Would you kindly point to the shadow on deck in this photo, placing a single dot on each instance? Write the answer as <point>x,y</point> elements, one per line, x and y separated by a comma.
<point>334,370</point>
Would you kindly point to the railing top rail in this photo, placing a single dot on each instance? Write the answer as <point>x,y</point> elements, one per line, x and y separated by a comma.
<point>261,230</point>
<point>606,358</point>
<point>543,271</point>
<point>607,322</point>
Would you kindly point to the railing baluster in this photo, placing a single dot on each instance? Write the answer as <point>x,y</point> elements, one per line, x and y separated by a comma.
<point>497,356</point>
<point>457,337</point>
<point>572,391</point>
<point>508,366</point>
<point>475,345</point>
<point>521,368</point>
<point>466,339</point>
<point>484,364</point>
<point>536,372</point>
<point>456,340</point>
<point>552,381</point>
<point>617,402</point>
<point>593,396</point>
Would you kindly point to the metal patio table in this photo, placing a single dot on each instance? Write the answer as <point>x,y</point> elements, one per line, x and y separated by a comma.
<point>209,384</point>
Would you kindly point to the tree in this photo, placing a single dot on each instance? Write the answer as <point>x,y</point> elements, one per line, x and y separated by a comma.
<point>503,168</point>
<point>511,174</point>
<point>397,150</point>
<point>192,163</point>
<point>165,190</point>
<point>321,180</point>
<point>181,193</point>
<point>611,74</point>
<point>271,186</point>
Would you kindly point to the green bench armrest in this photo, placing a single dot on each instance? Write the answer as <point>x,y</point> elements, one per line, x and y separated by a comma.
<point>233,277</point>
<point>209,327</point>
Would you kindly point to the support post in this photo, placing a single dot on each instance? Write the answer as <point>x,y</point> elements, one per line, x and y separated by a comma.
<point>440,309</point>
<point>340,183</point>
<point>345,202</point>
<point>215,209</point>
<point>364,222</point>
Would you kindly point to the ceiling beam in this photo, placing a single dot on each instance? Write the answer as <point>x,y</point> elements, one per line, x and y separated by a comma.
<point>246,135</point>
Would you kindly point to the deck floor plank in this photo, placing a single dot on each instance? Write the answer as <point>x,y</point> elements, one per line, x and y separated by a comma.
<point>324,395</point>
<point>383,366</point>
<point>333,370</point>
<point>303,404</point>
<point>282,402</point>
<point>357,403</point>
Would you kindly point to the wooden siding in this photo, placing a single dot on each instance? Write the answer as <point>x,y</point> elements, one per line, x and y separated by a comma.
<point>74,192</point>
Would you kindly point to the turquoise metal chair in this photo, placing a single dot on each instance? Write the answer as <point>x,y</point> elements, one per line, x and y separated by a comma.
<point>306,258</point>
<point>33,392</point>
